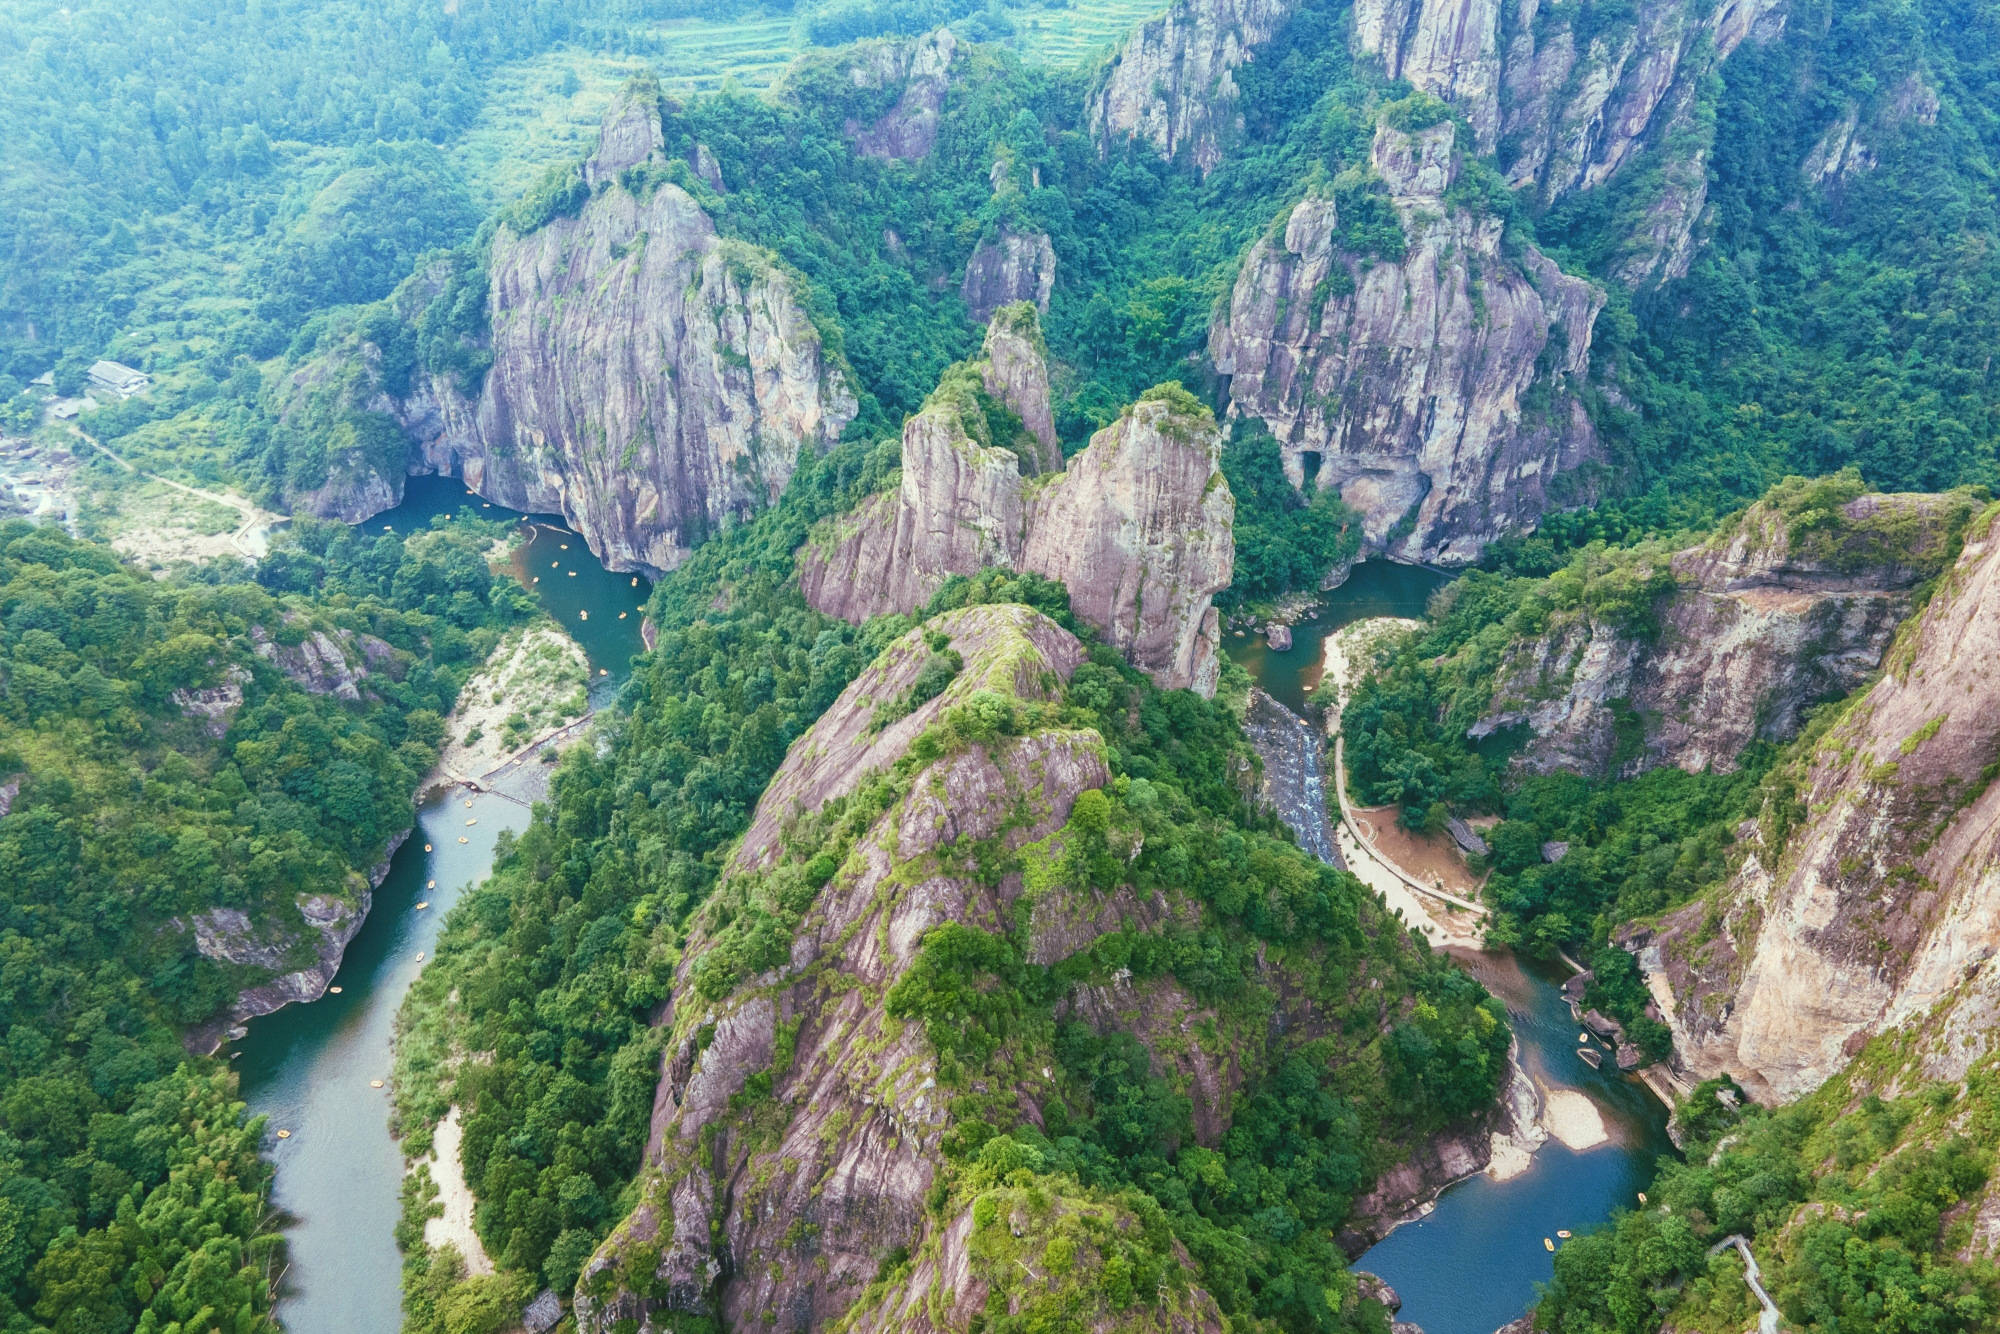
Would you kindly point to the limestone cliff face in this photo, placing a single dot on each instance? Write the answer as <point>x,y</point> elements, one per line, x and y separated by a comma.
<point>1871,892</point>
<point>650,381</point>
<point>1437,393</point>
<point>1759,625</point>
<point>789,1202</point>
<point>1139,527</point>
<point>1565,111</point>
<point>1173,85</point>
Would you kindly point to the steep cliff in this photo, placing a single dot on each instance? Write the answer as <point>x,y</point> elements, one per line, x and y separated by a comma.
<point>1173,84</point>
<point>1140,530</point>
<point>1791,604</point>
<point>807,1183</point>
<point>650,379</point>
<point>940,901</point>
<point>1871,889</point>
<point>1138,526</point>
<point>1566,97</point>
<point>1436,390</point>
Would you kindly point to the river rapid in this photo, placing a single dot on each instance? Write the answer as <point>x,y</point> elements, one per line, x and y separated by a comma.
<point>1473,1263</point>
<point>309,1067</point>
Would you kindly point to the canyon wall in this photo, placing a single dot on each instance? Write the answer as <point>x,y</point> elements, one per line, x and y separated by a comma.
<point>1437,389</point>
<point>1773,614</point>
<point>1869,895</point>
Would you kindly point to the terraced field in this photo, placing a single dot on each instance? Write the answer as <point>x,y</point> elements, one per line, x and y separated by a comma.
<point>545,110</point>
<point>1087,32</point>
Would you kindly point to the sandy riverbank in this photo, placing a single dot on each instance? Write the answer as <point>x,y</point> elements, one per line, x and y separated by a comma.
<point>1344,659</point>
<point>535,682</point>
<point>454,1228</point>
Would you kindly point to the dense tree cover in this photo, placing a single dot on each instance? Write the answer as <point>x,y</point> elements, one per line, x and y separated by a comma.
<point>130,1190</point>
<point>156,141</point>
<point>1823,323</point>
<point>1875,1249</point>
<point>560,961</point>
<point>1285,543</point>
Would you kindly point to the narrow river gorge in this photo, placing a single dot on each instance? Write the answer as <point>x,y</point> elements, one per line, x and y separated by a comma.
<point>311,1068</point>
<point>1468,1266</point>
<point>1472,1263</point>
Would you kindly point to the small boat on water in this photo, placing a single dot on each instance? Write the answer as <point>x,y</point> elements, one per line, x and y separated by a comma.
<point>374,1083</point>
<point>623,614</point>
<point>635,581</point>
<point>463,839</point>
<point>421,906</point>
<point>583,616</point>
<point>1547,1244</point>
<point>430,884</point>
<point>474,820</point>
<point>572,574</point>
<point>427,847</point>
<point>420,956</point>
<point>1591,1057</point>
<point>1642,1197</point>
<point>333,991</point>
<point>1563,1233</point>
<point>284,1134</point>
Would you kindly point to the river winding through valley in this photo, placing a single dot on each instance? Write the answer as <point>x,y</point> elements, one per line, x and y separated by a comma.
<point>309,1067</point>
<point>1467,1267</point>
<point>1472,1263</point>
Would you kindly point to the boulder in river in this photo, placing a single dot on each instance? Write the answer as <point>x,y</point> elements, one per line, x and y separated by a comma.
<point>1279,637</point>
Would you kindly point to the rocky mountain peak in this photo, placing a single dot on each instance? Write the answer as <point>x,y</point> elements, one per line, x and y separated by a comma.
<point>1138,526</point>
<point>1416,165</point>
<point>921,67</point>
<point>629,134</point>
<point>1172,85</point>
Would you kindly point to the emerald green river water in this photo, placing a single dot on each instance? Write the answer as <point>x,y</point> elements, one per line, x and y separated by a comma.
<point>1467,1267</point>
<point>309,1067</point>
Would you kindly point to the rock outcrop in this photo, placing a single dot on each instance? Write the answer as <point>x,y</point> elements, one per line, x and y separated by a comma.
<point>1564,111</point>
<point>1173,84</point>
<point>650,380</point>
<point>1140,529</point>
<point>799,1159</point>
<point>797,1215</point>
<point>919,71</point>
<point>1012,266</point>
<point>1437,392</point>
<point>1848,147</point>
<point>1778,611</point>
<point>1871,891</point>
<point>1138,526</point>
<point>301,955</point>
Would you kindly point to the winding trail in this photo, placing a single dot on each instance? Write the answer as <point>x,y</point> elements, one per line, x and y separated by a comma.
<point>1767,1319</point>
<point>251,538</point>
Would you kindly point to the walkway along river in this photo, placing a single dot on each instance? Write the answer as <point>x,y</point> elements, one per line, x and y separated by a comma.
<point>310,1067</point>
<point>1472,1263</point>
